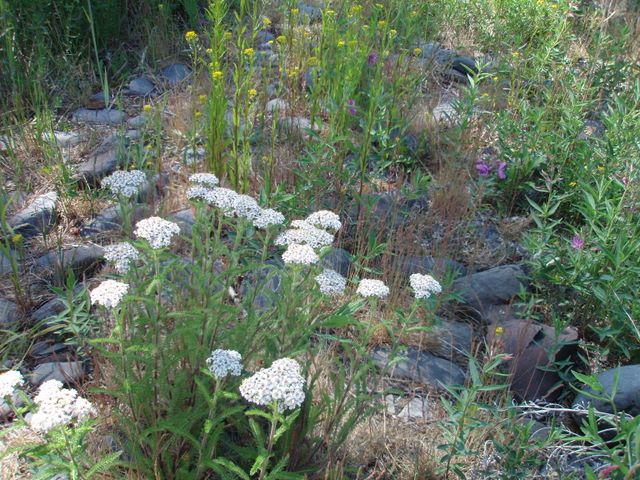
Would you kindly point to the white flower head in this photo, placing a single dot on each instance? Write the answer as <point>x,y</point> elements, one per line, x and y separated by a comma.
<point>198,192</point>
<point>58,406</point>
<point>304,233</point>
<point>325,219</point>
<point>424,285</point>
<point>222,198</point>
<point>300,255</point>
<point>281,383</point>
<point>225,362</point>
<point>205,179</point>
<point>331,282</point>
<point>268,218</point>
<point>245,206</point>
<point>8,382</point>
<point>109,293</point>
<point>372,288</point>
<point>157,231</point>
<point>125,184</point>
<point>122,255</point>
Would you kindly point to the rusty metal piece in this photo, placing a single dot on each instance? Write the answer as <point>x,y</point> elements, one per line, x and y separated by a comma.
<point>535,348</point>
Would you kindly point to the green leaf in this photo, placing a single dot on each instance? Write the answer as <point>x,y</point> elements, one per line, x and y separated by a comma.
<point>228,465</point>
<point>260,459</point>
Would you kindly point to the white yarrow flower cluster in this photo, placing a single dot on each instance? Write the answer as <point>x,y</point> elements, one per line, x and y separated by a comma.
<point>304,233</point>
<point>424,285</point>
<point>109,293</point>
<point>122,255</point>
<point>58,406</point>
<point>205,179</point>
<point>223,198</point>
<point>245,206</point>
<point>199,192</point>
<point>225,362</point>
<point>268,218</point>
<point>372,288</point>
<point>282,383</point>
<point>300,255</point>
<point>331,282</point>
<point>8,382</point>
<point>325,219</point>
<point>157,231</point>
<point>126,184</point>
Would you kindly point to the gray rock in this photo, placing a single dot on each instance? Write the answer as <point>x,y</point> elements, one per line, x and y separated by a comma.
<point>8,313</point>
<point>81,260</point>
<point>43,349</point>
<point>52,307</point>
<point>337,259</point>
<point>495,286</point>
<point>137,122</point>
<point>276,105</point>
<point>185,220</point>
<point>266,58</point>
<point>421,367</point>
<point>37,217</point>
<point>140,87</point>
<point>410,264</point>
<point>309,12</point>
<point>65,372</point>
<point>16,400</point>
<point>299,125</point>
<point>104,116</point>
<point>191,156</point>
<point>627,394</point>
<point>308,77</point>
<point>105,159</point>
<point>65,139</point>
<point>264,36</point>
<point>262,287</point>
<point>5,263</point>
<point>445,112</point>
<point>110,219</point>
<point>175,73</point>
<point>450,339</point>
<point>409,410</point>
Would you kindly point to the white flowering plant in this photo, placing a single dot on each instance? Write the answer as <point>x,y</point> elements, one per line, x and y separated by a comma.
<point>189,331</point>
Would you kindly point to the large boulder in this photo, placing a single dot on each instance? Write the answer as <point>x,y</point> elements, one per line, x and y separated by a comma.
<point>624,381</point>
<point>37,217</point>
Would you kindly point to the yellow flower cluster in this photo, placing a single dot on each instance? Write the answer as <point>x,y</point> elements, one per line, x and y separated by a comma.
<point>281,39</point>
<point>248,52</point>
<point>217,75</point>
<point>191,36</point>
<point>252,92</point>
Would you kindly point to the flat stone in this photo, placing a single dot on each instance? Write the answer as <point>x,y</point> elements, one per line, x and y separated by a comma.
<point>110,219</point>
<point>5,264</point>
<point>140,87</point>
<point>65,372</point>
<point>451,339</point>
<point>52,307</point>
<point>16,400</point>
<point>96,101</point>
<point>81,260</point>
<point>137,122</point>
<point>9,313</point>
<point>43,349</point>
<point>495,286</point>
<point>627,391</point>
<point>185,220</point>
<point>337,259</point>
<point>410,264</point>
<point>37,217</point>
<point>192,157</point>
<point>299,125</point>
<point>65,139</point>
<point>276,105</point>
<point>309,12</point>
<point>264,36</point>
<point>175,73</point>
<point>421,367</point>
<point>105,159</point>
<point>445,112</point>
<point>105,116</point>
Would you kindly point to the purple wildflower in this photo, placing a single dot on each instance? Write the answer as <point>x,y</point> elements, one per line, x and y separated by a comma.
<point>502,174</point>
<point>352,109</point>
<point>351,102</point>
<point>577,243</point>
<point>372,59</point>
<point>482,168</point>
